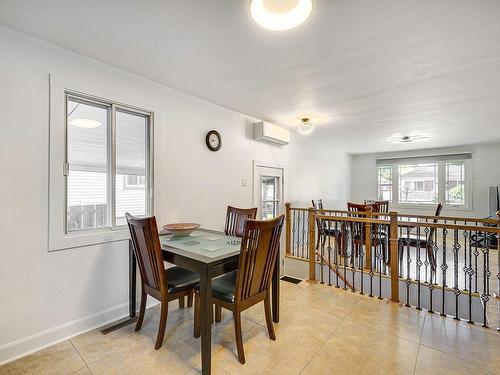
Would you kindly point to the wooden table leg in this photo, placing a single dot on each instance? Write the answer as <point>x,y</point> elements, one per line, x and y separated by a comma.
<point>276,291</point>
<point>206,321</point>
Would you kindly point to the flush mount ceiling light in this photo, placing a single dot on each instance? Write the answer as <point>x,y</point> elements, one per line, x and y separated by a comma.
<point>280,14</point>
<point>409,138</point>
<point>85,123</point>
<point>305,126</point>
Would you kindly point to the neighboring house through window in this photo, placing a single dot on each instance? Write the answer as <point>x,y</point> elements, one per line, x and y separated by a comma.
<point>426,180</point>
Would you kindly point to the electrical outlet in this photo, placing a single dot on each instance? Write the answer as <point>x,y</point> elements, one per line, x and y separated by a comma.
<point>244,183</point>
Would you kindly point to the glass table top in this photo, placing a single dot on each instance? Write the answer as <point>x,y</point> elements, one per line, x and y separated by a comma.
<point>202,245</point>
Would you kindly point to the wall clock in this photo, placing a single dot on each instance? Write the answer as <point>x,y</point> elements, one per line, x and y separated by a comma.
<point>213,140</point>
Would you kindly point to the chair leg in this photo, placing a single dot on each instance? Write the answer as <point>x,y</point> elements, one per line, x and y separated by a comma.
<point>163,324</point>
<point>181,303</point>
<point>196,332</point>
<point>190,299</point>
<point>269,320</point>
<point>239,338</point>
<point>218,313</point>
<point>142,310</point>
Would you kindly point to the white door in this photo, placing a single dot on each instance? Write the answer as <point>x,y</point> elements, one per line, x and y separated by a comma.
<point>268,197</point>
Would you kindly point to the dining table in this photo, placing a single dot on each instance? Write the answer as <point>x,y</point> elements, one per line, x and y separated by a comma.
<point>209,253</point>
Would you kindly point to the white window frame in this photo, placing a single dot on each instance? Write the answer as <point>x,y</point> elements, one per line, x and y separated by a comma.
<point>58,236</point>
<point>468,206</point>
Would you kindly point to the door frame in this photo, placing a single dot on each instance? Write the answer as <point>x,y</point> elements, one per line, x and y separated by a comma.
<point>256,200</point>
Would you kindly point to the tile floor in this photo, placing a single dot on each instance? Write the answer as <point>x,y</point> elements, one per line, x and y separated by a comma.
<point>323,330</point>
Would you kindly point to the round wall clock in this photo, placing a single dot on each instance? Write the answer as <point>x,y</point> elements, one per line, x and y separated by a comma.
<point>213,140</point>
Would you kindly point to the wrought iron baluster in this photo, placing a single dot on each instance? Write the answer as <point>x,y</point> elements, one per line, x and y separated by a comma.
<point>295,234</point>
<point>380,258</point>
<point>345,246</point>
<point>456,289</point>
<point>485,296</point>
<point>418,265</point>
<point>322,237</point>
<point>470,272</point>
<point>476,255</point>
<point>329,248</point>
<point>336,254</point>
<point>408,263</point>
<point>444,267</point>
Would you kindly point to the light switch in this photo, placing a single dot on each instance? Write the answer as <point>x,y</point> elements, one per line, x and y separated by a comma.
<point>243,183</point>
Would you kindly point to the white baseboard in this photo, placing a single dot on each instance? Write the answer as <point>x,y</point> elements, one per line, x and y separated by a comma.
<point>33,343</point>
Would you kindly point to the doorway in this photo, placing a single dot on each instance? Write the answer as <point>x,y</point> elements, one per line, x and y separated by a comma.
<point>269,196</point>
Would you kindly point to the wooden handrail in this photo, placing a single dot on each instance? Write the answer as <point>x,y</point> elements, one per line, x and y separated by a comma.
<point>355,219</point>
<point>341,277</point>
<point>451,218</point>
<point>474,228</point>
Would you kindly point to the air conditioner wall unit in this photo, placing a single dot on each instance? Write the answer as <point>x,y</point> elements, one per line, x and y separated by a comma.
<point>269,133</point>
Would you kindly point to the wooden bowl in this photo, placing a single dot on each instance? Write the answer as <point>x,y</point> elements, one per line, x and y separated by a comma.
<point>181,229</point>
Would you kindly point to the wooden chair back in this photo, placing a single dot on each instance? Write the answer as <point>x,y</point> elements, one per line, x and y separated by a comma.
<point>383,206</point>
<point>318,206</point>
<point>235,220</point>
<point>259,250</point>
<point>439,208</point>
<point>147,249</point>
<point>359,210</point>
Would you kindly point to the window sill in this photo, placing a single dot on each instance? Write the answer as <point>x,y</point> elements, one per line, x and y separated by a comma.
<point>89,238</point>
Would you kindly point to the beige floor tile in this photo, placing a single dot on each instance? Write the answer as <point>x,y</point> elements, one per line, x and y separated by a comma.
<point>82,371</point>
<point>389,317</point>
<point>286,355</point>
<point>93,345</point>
<point>322,330</point>
<point>61,359</point>
<point>134,353</point>
<point>434,362</point>
<point>359,350</point>
<point>470,342</point>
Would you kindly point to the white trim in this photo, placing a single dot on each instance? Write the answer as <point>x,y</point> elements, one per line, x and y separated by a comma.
<point>58,239</point>
<point>40,340</point>
<point>468,180</point>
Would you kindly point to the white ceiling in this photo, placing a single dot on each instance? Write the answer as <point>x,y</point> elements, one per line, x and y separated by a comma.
<point>362,70</point>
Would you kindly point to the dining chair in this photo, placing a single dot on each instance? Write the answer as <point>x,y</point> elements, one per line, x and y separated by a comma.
<point>421,242</point>
<point>358,231</point>
<point>324,229</point>
<point>250,283</point>
<point>235,220</point>
<point>163,284</point>
<point>383,205</point>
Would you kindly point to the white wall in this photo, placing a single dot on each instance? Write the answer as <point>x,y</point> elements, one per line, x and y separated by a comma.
<point>485,173</point>
<point>48,296</point>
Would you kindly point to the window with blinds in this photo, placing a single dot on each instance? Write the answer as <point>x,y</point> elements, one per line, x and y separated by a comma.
<point>107,163</point>
<point>426,180</point>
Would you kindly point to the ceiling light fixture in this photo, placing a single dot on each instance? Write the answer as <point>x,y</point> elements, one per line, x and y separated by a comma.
<point>305,126</point>
<point>409,138</point>
<point>280,14</point>
<point>85,123</point>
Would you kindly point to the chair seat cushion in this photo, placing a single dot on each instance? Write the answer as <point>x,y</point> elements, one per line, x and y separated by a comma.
<point>414,240</point>
<point>179,279</point>
<point>223,287</point>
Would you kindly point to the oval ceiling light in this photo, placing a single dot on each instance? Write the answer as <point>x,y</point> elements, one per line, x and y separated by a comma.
<point>280,14</point>
<point>85,123</point>
<point>305,126</point>
<point>409,139</point>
